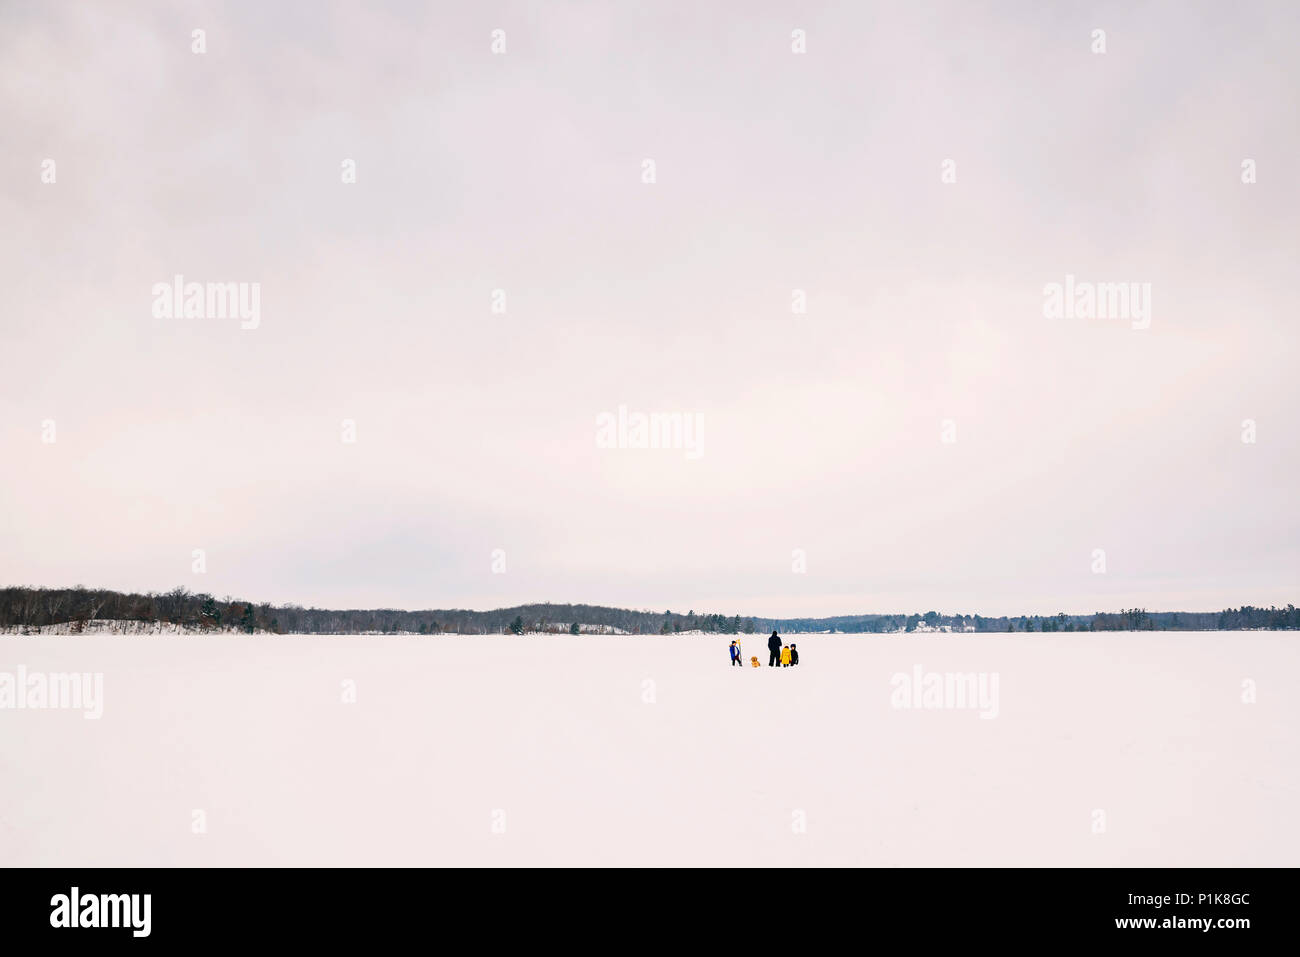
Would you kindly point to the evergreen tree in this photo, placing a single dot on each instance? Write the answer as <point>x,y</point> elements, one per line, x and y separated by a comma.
<point>574,629</point>
<point>517,626</point>
<point>246,621</point>
<point>210,612</point>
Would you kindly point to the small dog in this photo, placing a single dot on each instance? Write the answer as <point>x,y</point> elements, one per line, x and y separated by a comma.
<point>754,661</point>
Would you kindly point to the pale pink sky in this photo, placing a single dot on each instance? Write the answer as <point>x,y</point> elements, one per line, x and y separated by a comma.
<point>775,171</point>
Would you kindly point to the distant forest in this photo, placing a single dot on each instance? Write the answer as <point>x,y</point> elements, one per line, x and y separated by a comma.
<point>23,608</point>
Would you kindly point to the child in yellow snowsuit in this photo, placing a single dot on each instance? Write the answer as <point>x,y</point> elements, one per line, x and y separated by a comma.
<point>785,656</point>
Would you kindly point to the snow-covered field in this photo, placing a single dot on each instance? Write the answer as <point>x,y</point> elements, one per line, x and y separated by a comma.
<point>1099,749</point>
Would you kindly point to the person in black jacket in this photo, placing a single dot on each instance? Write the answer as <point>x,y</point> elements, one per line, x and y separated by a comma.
<point>794,654</point>
<point>774,646</point>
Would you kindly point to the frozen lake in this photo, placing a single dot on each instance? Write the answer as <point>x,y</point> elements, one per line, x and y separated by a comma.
<point>1099,749</point>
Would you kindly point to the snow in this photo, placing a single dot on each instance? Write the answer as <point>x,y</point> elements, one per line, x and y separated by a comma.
<point>653,751</point>
<point>103,626</point>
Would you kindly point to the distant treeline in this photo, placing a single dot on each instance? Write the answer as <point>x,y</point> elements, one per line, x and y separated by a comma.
<point>30,608</point>
<point>1131,619</point>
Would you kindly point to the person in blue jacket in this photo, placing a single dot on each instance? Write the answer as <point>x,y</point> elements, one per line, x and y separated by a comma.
<point>735,655</point>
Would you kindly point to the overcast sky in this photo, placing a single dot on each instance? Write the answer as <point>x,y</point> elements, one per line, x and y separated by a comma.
<point>775,171</point>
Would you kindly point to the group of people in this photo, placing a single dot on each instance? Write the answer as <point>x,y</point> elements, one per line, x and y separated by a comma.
<point>784,655</point>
